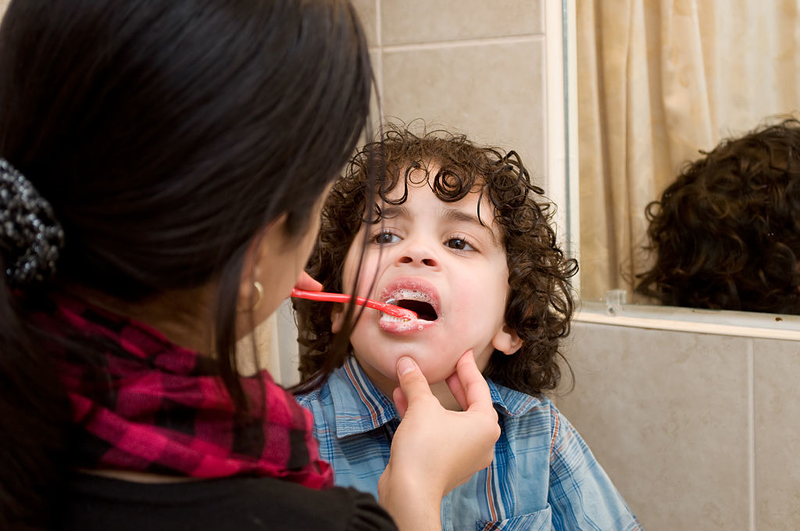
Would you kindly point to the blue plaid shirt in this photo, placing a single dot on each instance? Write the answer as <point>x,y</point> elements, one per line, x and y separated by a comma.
<point>543,475</point>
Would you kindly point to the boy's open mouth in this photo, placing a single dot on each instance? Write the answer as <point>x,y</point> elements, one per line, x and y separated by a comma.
<point>424,310</point>
<point>417,295</point>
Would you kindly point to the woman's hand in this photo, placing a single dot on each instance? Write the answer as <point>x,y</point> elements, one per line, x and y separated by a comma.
<point>434,450</point>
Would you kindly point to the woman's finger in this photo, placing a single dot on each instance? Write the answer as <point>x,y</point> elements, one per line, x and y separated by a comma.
<point>413,385</point>
<point>400,401</point>
<point>454,383</point>
<point>305,282</point>
<point>475,389</point>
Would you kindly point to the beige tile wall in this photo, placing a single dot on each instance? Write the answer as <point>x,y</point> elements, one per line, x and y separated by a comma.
<point>777,435</point>
<point>472,66</point>
<point>697,431</point>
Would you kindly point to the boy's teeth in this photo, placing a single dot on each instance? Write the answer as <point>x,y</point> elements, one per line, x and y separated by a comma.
<point>387,317</point>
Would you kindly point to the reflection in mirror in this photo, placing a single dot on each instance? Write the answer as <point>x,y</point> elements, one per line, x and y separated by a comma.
<point>725,235</point>
<point>660,81</point>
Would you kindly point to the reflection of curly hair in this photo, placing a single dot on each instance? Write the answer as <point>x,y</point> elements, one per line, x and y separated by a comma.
<point>539,306</point>
<point>726,233</point>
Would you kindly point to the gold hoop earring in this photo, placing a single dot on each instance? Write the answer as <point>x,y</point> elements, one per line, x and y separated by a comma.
<point>259,293</point>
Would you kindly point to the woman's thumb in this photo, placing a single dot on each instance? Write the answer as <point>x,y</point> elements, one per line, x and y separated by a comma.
<point>307,283</point>
<point>412,382</point>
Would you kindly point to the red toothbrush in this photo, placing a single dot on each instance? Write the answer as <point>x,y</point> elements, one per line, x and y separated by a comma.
<point>390,309</point>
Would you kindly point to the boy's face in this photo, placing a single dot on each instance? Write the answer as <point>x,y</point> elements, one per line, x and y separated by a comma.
<point>437,259</point>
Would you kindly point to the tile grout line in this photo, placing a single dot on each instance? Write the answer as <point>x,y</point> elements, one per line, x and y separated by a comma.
<point>378,27</point>
<point>379,66</point>
<point>538,37</point>
<point>751,429</point>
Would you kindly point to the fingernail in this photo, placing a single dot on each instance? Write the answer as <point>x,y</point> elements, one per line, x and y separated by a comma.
<point>405,365</point>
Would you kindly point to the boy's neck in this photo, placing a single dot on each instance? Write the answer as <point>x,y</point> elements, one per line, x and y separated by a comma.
<point>387,386</point>
<point>442,392</point>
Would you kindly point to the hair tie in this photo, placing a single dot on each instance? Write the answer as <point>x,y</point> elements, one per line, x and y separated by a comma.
<point>30,236</point>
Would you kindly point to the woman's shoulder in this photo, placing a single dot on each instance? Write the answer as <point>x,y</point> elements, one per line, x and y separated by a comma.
<point>92,502</point>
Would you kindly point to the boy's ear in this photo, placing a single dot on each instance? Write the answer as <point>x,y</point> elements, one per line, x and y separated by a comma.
<point>506,341</point>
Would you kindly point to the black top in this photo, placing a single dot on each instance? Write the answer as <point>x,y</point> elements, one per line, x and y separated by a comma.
<point>241,504</point>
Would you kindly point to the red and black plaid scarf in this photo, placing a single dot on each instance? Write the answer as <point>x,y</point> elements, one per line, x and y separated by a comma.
<point>160,408</point>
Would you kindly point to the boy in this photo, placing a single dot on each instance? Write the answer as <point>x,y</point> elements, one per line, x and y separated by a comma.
<point>458,238</point>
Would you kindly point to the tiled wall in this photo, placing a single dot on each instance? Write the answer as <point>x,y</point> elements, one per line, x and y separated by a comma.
<point>698,431</point>
<point>474,66</point>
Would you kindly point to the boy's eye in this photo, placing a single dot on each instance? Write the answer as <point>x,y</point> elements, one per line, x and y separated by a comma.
<point>459,244</point>
<point>385,237</point>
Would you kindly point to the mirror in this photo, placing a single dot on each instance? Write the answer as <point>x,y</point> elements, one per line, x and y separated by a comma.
<point>656,82</point>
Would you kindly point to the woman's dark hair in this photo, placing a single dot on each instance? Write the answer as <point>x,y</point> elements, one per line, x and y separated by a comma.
<point>540,304</point>
<point>166,136</point>
<point>726,234</point>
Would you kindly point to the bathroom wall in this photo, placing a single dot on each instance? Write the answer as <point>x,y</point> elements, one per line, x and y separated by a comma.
<point>698,431</point>
<point>473,65</point>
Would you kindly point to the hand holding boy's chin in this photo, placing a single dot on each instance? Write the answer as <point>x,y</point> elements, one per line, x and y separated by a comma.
<point>436,365</point>
<point>428,433</point>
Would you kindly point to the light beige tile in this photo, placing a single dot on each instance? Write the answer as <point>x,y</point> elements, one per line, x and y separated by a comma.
<point>374,120</point>
<point>424,21</point>
<point>666,415</point>
<point>375,98</point>
<point>255,351</point>
<point>368,14</point>
<point>493,93</point>
<point>777,423</point>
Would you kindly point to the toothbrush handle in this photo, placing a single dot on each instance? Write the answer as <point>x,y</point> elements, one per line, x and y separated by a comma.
<point>390,309</point>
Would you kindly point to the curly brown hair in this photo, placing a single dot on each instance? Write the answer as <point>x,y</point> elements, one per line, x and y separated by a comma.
<point>726,233</point>
<point>540,304</point>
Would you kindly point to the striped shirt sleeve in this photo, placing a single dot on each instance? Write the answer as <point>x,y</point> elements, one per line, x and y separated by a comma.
<point>581,495</point>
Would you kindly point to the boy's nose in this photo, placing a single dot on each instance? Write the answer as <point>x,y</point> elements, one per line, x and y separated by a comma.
<point>418,255</point>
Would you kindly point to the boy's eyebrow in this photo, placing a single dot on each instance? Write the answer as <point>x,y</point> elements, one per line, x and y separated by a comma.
<point>393,211</point>
<point>452,214</point>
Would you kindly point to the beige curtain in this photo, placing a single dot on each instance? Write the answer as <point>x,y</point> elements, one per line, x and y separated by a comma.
<point>659,80</point>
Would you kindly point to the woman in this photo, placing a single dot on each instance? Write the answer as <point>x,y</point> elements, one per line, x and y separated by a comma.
<point>163,164</point>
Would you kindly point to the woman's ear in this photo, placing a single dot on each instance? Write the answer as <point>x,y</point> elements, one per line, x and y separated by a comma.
<point>248,293</point>
<point>506,341</point>
<point>259,266</point>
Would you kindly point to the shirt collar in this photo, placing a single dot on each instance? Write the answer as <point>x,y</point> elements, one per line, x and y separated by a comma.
<point>359,406</point>
<point>509,402</point>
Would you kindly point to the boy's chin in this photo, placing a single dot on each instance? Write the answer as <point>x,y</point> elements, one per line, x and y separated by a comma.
<point>436,374</point>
